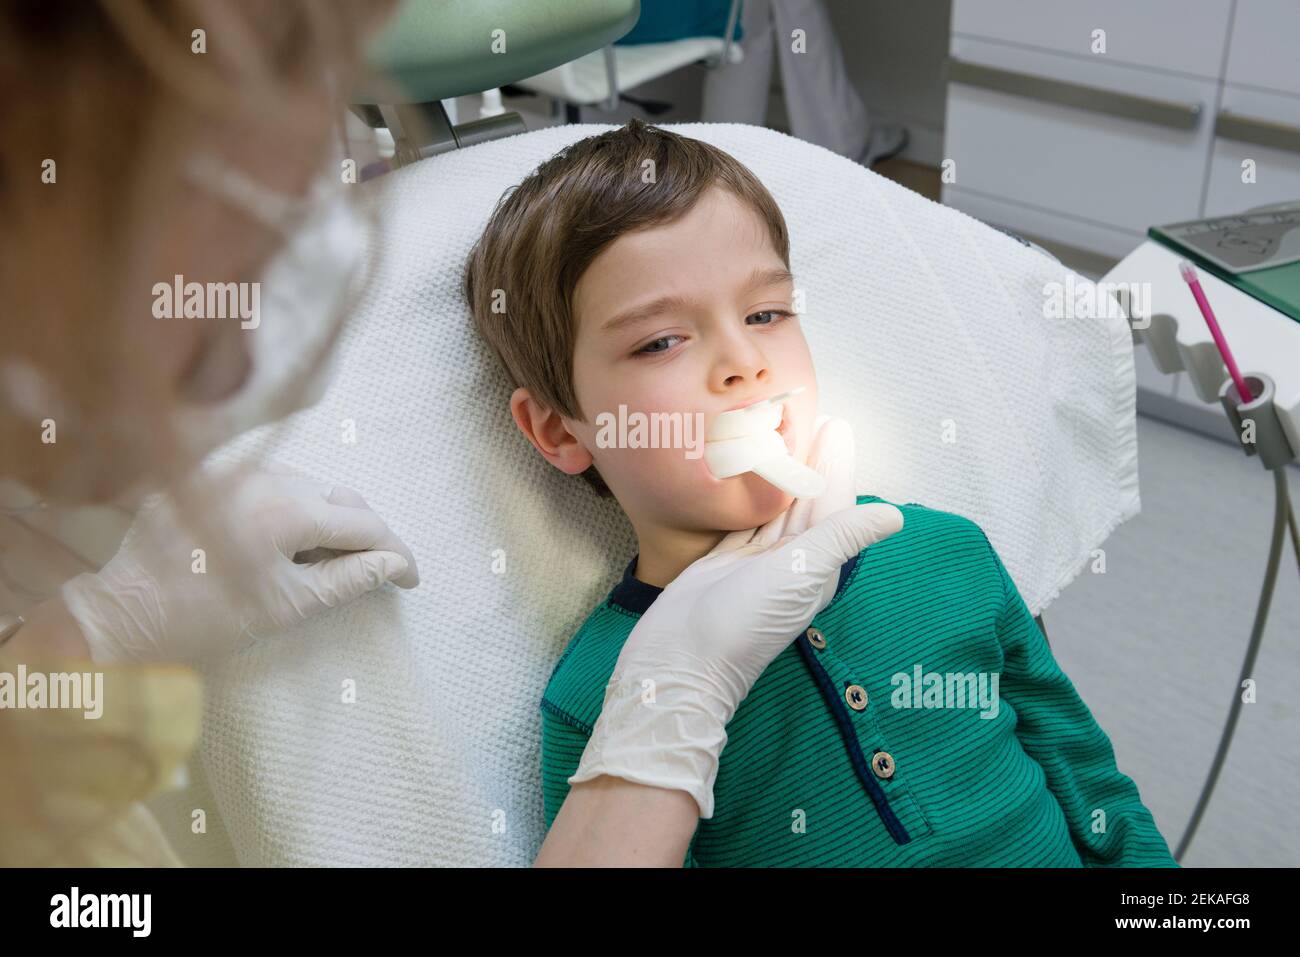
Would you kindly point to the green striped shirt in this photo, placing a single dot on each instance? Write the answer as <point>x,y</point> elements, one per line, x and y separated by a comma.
<point>921,721</point>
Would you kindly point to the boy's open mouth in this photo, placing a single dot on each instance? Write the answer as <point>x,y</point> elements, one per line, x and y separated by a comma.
<point>786,428</point>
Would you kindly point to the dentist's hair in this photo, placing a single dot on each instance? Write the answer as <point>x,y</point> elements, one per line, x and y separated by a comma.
<point>545,232</point>
<point>105,104</point>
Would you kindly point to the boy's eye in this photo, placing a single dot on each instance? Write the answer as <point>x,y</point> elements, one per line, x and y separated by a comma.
<point>772,312</point>
<point>651,348</point>
<point>646,350</point>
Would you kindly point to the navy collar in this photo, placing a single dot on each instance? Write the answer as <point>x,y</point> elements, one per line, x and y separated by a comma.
<point>636,596</point>
<point>632,593</point>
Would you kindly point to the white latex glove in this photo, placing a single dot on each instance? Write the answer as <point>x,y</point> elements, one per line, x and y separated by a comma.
<point>148,603</point>
<point>696,652</point>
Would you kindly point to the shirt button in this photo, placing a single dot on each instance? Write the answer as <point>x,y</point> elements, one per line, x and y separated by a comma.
<point>816,638</point>
<point>856,696</point>
<point>882,762</point>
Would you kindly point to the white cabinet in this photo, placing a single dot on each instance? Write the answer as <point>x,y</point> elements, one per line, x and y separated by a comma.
<point>1265,47</point>
<point>1049,138</point>
<point>1068,135</point>
<point>1052,140</point>
<point>1261,129</point>
<point>1151,34</point>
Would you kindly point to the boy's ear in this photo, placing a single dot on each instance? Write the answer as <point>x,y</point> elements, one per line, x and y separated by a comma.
<point>546,430</point>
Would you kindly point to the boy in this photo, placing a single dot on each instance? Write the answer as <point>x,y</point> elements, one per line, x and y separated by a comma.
<point>921,720</point>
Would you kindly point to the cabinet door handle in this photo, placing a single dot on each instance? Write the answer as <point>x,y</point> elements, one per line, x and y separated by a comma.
<point>1247,129</point>
<point>1179,116</point>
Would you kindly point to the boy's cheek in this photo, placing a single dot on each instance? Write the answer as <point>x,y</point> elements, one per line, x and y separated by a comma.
<point>671,466</point>
<point>684,488</point>
<point>661,472</point>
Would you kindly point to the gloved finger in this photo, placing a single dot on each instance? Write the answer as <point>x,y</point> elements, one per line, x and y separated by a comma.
<point>828,545</point>
<point>836,458</point>
<point>335,495</point>
<point>339,580</point>
<point>341,495</point>
<point>272,467</point>
<point>794,518</point>
<point>773,531</point>
<point>351,498</point>
<point>830,450</point>
<point>329,492</point>
<point>313,555</point>
<point>286,481</point>
<point>345,528</point>
<point>732,541</point>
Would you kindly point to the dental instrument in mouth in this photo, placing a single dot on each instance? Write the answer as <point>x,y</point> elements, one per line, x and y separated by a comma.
<point>777,398</point>
<point>748,440</point>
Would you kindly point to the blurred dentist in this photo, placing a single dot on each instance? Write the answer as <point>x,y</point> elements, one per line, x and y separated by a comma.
<point>178,258</point>
<point>213,181</point>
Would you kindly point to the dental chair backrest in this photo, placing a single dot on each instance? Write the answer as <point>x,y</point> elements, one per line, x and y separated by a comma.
<point>438,49</point>
<point>931,336</point>
<point>434,50</point>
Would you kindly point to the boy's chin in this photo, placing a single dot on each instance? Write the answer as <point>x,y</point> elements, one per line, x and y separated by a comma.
<point>750,503</point>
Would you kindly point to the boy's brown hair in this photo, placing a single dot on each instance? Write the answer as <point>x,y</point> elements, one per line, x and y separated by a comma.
<point>545,232</point>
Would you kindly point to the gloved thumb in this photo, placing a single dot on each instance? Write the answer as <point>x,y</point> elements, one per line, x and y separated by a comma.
<point>812,558</point>
<point>339,580</point>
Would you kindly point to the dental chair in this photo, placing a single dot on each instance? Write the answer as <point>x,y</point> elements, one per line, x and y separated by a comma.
<point>667,41</point>
<point>440,49</point>
<point>929,334</point>
<point>434,51</point>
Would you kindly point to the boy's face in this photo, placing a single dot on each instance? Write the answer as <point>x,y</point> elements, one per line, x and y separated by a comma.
<point>730,340</point>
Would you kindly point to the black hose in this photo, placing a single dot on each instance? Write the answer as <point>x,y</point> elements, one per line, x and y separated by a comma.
<point>1282,516</point>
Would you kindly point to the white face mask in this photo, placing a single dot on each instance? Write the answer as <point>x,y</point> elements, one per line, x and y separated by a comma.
<point>303,294</point>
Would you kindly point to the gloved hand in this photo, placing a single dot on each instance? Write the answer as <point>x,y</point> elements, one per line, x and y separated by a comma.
<point>150,604</point>
<point>696,652</point>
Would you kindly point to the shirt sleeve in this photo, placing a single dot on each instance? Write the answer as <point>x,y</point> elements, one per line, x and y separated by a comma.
<point>564,738</point>
<point>1109,824</point>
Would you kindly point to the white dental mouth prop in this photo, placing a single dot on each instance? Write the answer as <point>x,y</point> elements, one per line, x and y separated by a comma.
<point>747,440</point>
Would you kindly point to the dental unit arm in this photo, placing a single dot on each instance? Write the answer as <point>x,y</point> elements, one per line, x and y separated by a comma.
<point>429,53</point>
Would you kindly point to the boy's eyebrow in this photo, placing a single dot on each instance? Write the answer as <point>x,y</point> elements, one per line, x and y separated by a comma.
<point>758,279</point>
